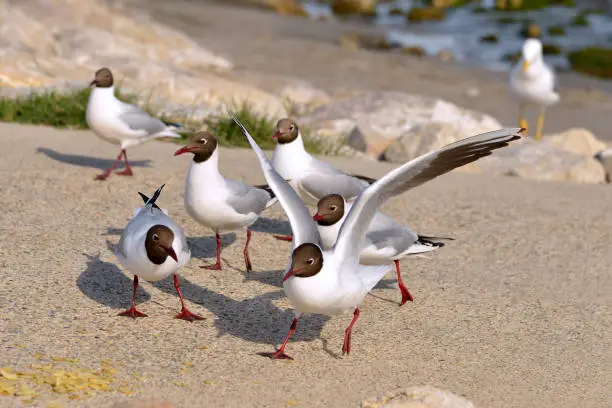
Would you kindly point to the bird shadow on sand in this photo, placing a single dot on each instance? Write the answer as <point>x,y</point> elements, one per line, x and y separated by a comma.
<point>255,319</point>
<point>106,284</point>
<point>87,161</point>
<point>271,226</point>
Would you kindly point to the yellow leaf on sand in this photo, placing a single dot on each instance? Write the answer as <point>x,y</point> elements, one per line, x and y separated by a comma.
<point>291,402</point>
<point>55,405</point>
<point>8,373</point>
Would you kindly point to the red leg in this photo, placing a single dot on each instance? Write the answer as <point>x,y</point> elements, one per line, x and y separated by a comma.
<point>185,313</point>
<point>346,346</point>
<point>217,266</point>
<point>247,259</point>
<point>132,312</point>
<point>104,175</point>
<point>406,296</point>
<point>128,169</point>
<point>284,237</point>
<point>280,353</point>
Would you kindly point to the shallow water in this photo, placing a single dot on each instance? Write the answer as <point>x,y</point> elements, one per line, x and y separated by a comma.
<point>461,30</point>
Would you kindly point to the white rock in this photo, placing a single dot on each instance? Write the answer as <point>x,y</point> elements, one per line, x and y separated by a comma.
<point>381,117</point>
<point>540,160</point>
<point>419,397</point>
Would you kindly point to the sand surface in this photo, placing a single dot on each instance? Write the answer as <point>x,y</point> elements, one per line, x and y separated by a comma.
<point>516,312</point>
<point>268,47</point>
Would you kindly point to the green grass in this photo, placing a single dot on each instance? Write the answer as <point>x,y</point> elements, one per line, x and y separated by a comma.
<point>262,128</point>
<point>51,108</point>
<point>67,110</point>
<point>594,61</point>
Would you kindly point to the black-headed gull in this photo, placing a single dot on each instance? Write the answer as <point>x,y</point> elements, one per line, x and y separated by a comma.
<point>332,281</point>
<point>386,241</point>
<point>533,82</point>
<point>311,178</point>
<point>120,123</point>
<point>216,202</point>
<point>152,247</point>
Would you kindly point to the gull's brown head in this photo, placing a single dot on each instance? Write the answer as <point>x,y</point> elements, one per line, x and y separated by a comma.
<point>159,244</point>
<point>306,261</point>
<point>286,131</point>
<point>330,210</point>
<point>103,78</point>
<point>201,144</point>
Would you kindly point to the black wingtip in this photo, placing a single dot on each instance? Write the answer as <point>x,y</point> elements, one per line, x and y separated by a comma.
<point>367,179</point>
<point>151,201</point>
<point>433,241</point>
<point>146,199</point>
<point>266,188</point>
<point>175,124</point>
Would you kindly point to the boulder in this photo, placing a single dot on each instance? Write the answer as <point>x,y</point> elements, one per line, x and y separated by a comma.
<point>421,139</point>
<point>418,397</point>
<point>43,48</point>
<point>382,117</point>
<point>578,141</point>
<point>540,160</point>
<point>301,98</point>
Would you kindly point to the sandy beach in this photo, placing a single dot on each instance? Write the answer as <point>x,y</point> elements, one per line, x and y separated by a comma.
<point>515,312</point>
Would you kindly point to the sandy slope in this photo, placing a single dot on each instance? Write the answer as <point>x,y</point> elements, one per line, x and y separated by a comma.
<point>515,312</point>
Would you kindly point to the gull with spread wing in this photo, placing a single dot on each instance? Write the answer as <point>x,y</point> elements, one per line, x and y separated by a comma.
<point>332,281</point>
<point>386,241</point>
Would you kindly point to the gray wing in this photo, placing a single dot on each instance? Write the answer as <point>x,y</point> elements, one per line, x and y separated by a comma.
<point>411,175</point>
<point>303,226</point>
<point>398,239</point>
<point>247,199</point>
<point>139,120</point>
<point>385,232</point>
<point>318,185</point>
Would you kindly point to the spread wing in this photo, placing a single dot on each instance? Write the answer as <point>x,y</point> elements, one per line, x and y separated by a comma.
<point>411,175</point>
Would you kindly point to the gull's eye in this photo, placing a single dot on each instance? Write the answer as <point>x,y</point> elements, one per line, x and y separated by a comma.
<point>333,207</point>
<point>155,237</point>
<point>203,141</point>
<point>310,261</point>
<point>291,127</point>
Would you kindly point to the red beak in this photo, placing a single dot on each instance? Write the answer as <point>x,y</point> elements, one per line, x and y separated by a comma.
<point>317,217</point>
<point>184,149</point>
<point>288,275</point>
<point>172,254</point>
<point>276,135</point>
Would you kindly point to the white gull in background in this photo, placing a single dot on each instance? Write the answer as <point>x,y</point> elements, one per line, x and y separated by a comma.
<point>533,83</point>
<point>152,247</point>
<point>332,281</point>
<point>216,202</point>
<point>311,178</point>
<point>120,123</point>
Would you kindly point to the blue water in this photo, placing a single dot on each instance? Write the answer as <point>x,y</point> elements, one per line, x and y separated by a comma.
<point>462,29</point>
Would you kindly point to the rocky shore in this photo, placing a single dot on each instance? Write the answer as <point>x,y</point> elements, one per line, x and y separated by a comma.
<point>157,57</point>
